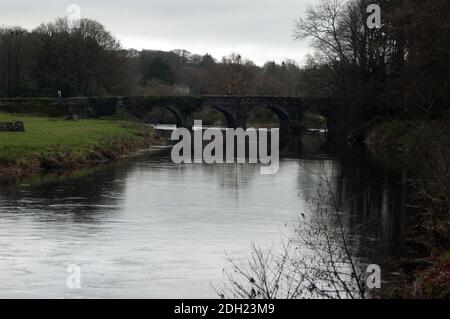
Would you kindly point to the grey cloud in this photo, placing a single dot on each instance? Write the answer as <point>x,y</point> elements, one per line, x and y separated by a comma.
<point>259,29</point>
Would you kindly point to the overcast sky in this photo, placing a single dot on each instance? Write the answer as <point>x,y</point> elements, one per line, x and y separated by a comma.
<point>258,29</point>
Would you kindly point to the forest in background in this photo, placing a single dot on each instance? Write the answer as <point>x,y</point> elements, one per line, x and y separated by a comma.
<point>392,84</point>
<point>398,70</point>
<point>401,68</point>
<point>86,60</point>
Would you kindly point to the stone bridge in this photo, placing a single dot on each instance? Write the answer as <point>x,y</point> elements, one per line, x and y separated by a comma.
<point>236,109</point>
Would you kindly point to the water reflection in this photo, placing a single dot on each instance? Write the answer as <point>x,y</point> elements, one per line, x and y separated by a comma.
<point>146,227</point>
<point>375,196</point>
<point>83,197</point>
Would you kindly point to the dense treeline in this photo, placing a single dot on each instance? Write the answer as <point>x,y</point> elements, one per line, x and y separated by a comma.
<point>180,72</point>
<point>401,69</point>
<point>84,59</point>
<point>393,83</point>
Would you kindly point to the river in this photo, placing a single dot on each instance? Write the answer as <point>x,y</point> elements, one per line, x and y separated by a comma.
<point>147,228</point>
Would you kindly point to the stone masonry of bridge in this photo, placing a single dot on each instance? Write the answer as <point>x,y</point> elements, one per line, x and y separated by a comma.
<point>236,109</point>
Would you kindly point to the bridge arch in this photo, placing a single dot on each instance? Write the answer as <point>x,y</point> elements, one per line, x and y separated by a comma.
<point>274,117</point>
<point>228,118</point>
<point>283,116</point>
<point>178,115</point>
<point>179,118</point>
<point>231,121</point>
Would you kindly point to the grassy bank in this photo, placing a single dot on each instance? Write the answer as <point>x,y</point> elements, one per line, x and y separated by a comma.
<point>54,143</point>
<point>428,143</point>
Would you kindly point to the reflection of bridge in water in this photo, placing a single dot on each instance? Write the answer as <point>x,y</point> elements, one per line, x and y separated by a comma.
<point>236,109</point>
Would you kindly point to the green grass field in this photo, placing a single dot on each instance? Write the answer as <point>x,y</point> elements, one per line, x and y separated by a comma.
<point>45,135</point>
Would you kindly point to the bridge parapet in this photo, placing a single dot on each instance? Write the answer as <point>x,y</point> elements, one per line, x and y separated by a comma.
<point>54,107</point>
<point>237,109</point>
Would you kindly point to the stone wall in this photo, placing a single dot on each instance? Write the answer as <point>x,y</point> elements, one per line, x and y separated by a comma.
<point>15,126</point>
<point>53,107</point>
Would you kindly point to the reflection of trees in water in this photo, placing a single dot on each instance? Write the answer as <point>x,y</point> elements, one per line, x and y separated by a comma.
<point>238,176</point>
<point>371,196</point>
<point>79,198</point>
<point>354,211</point>
<point>303,145</point>
<point>374,197</point>
<point>311,170</point>
<point>319,261</point>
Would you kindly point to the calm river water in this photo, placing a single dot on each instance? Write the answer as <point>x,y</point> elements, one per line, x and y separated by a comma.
<point>145,227</point>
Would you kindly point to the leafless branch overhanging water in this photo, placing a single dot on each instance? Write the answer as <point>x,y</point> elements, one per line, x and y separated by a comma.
<point>317,262</point>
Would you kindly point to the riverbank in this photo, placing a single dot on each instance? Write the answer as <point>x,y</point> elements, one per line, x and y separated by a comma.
<point>50,144</point>
<point>426,264</point>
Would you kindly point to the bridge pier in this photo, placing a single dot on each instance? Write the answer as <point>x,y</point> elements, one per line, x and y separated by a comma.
<point>241,121</point>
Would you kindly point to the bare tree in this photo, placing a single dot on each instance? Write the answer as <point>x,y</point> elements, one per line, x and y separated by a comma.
<point>318,262</point>
<point>234,75</point>
<point>323,25</point>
